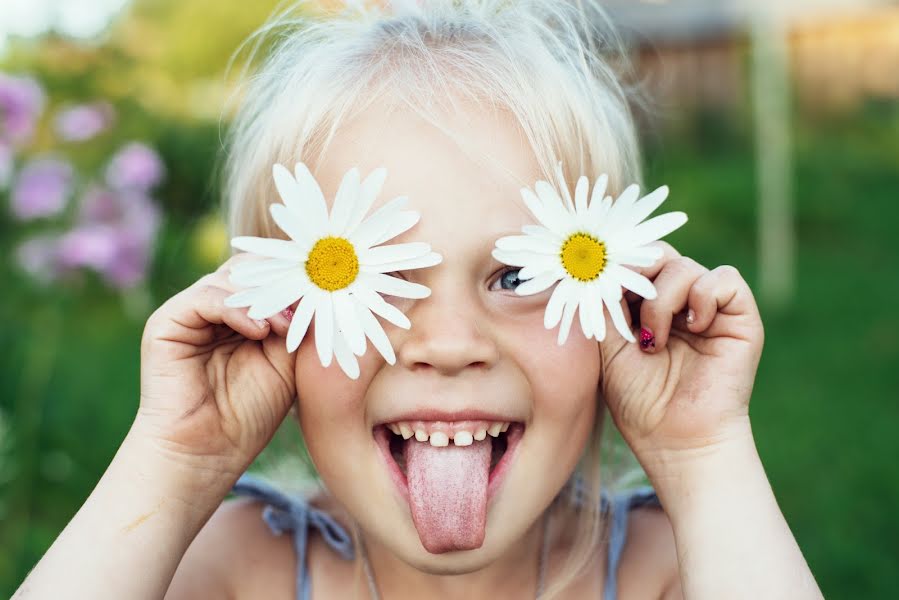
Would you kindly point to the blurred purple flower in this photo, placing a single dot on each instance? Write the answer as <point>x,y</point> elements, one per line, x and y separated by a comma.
<point>114,236</point>
<point>131,263</point>
<point>91,246</point>
<point>6,164</point>
<point>42,188</point>
<point>135,167</point>
<point>38,256</point>
<point>122,208</point>
<point>84,121</point>
<point>21,103</point>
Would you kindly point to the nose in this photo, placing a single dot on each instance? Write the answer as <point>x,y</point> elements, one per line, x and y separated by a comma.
<point>447,334</point>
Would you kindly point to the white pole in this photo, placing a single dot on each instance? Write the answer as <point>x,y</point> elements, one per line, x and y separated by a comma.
<point>770,75</point>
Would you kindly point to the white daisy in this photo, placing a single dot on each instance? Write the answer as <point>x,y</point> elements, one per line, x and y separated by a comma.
<point>333,262</point>
<point>585,247</point>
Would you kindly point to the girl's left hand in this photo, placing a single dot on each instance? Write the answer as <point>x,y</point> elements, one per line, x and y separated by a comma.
<point>690,389</point>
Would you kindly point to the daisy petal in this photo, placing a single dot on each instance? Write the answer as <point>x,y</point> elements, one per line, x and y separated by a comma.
<point>541,267</point>
<point>324,329</point>
<point>393,253</point>
<point>537,284</point>
<point>527,243</point>
<point>288,189</point>
<point>541,232</point>
<point>583,310</point>
<point>270,247</point>
<point>597,315</point>
<point>604,208</point>
<point>612,297</point>
<point>253,273</point>
<point>344,202</point>
<point>299,325</point>
<point>374,227</point>
<point>656,228</point>
<point>428,260</point>
<point>646,206</point>
<point>402,222</point>
<point>563,185</point>
<point>345,358</point>
<point>546,217</point>
<point>375,333</point>
<point>633,281</point>
<point>394,286</point>
<point>567,318</point>
<point>293,225</point>
<point>345,318</point>
<point>244,298</point>
<point>580,196</point>
<point>552,205</point>
<point>516,258</point>
<point>381,307</point>
<point>368,191</point>
<point>279,296</point>
<point>599,191</point>
<point>313,198</point>
<point>561,296</point>
<point>625,202</point>
<point>644,256</point>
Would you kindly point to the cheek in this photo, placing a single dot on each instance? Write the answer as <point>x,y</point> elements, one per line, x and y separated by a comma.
<point>564,381</point>
<point>564,378</point>
<point>331,409</point>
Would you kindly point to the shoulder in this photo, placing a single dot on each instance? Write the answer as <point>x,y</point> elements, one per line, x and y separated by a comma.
<point>235,555</point>
<point>649,548</point>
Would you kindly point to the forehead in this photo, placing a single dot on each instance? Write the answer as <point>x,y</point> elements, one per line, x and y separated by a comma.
<point>463,173</point>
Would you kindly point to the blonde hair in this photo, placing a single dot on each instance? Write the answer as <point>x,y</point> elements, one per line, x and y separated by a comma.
<point>558,67</point>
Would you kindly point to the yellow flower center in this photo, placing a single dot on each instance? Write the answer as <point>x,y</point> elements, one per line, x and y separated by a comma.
<point>332,264</point>
<point>583,256</point>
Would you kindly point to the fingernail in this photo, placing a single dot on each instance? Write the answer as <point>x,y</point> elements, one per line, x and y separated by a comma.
<point>262,323</point>
<point>647,339</point>
<point>691,316</point>
<point>288,313</point>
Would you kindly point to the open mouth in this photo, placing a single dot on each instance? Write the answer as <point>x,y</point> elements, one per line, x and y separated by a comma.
<point>503,436</point>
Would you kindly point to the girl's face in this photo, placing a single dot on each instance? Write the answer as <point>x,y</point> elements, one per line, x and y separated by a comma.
<point>476,354</point>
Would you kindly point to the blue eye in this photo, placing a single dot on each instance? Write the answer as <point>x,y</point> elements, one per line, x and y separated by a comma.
<point>510,277</point>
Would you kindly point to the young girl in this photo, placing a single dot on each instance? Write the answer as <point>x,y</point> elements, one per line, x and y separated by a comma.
<point>459,460</point>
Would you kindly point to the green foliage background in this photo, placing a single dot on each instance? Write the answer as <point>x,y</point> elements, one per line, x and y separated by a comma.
<point>824,411</point>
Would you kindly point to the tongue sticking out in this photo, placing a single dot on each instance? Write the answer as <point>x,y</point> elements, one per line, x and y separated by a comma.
<point>448,493</point>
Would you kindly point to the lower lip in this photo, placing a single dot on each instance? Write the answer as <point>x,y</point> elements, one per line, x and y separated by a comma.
<point>494,480</point>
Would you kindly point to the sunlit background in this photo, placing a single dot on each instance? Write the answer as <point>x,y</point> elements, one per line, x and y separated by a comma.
<point>775,123</point>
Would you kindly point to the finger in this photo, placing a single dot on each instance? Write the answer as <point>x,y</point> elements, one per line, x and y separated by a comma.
<point>630,301</point>
<point>284,362</point>
<point>723,290</point>
<point>669,253</point>
<point>280,322</point>
<point>673,284</point>
<point>187,316</point>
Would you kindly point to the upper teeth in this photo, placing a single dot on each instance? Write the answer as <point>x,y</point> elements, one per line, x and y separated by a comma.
<point>439,434</point>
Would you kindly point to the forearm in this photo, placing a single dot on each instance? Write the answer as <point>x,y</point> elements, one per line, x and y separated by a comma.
<point>732,539</point>
<point>130,535</point>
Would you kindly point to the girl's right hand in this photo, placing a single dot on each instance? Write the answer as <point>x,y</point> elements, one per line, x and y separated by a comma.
<point>215,384</point>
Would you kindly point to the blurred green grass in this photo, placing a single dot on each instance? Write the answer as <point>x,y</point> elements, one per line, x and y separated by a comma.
<point>824,409</point>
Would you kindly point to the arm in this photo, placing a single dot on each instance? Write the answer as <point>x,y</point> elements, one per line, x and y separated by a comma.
<point>215,386</point>
<point>130,535</point>
<point>681,401</point>
<point>732,539</point>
